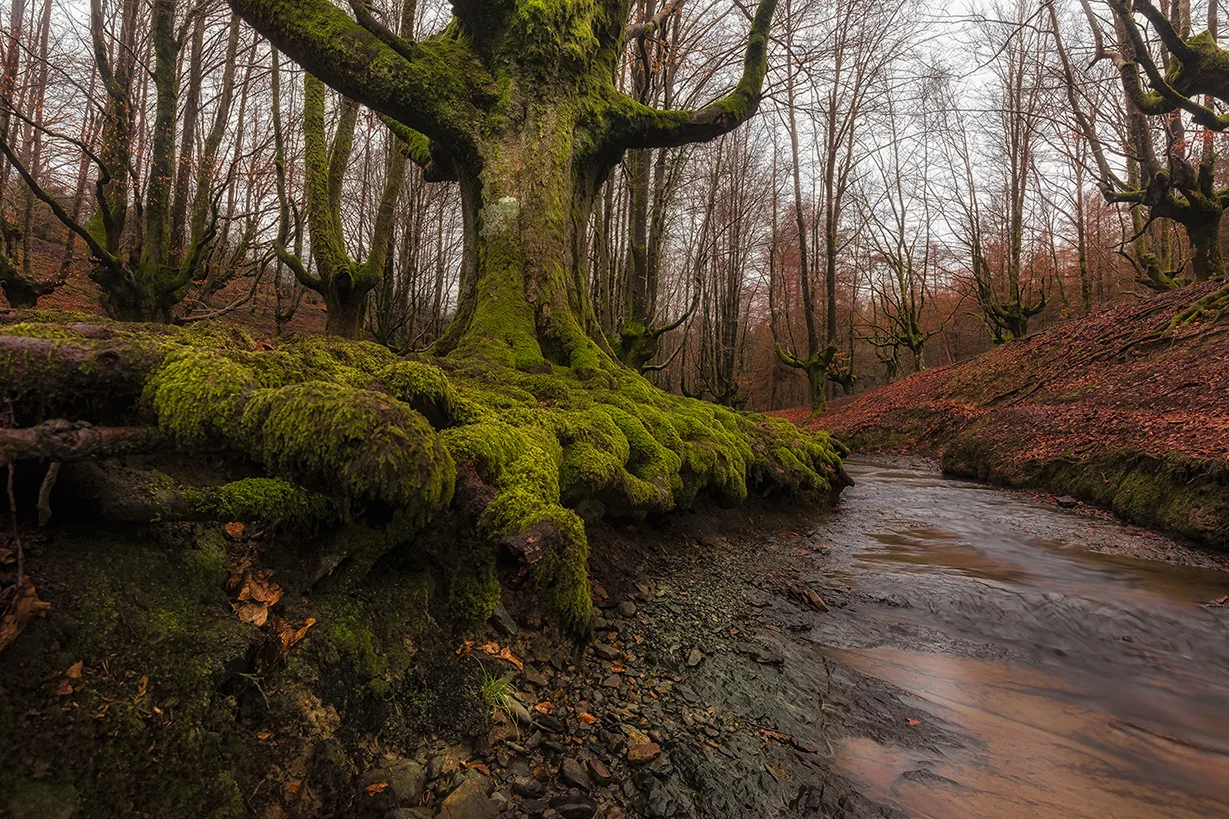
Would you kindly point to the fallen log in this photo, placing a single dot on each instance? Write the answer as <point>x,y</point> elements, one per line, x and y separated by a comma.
<point>61,440</point>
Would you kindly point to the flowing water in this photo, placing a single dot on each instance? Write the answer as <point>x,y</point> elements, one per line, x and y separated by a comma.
<point>1079,675</point>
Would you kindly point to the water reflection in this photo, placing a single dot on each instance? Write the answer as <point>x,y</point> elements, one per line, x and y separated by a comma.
<point>1114,699</point>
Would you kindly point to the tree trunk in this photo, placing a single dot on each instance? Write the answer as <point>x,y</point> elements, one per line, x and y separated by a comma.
<point>529,308</point>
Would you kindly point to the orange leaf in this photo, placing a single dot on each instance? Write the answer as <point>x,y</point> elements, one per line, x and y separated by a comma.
<point>234,530</point>
<point>586,718</point>
<point>22,607</point>
<point>913,721</point>
<point>74,671</point>
<point>378,787</point>
<point>545,708</point>
<point>294,786</point>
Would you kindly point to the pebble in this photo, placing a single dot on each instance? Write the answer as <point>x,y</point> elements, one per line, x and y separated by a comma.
<point>643,753</point>
<point>468,801</point>
<point>612,681</point>
<point>627,609</point>
<point>694,658</point>
<point>534,807</point>
<point>503,622</point>
<point>534,677</point>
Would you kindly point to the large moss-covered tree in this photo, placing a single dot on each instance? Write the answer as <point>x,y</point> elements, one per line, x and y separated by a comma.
<point>516,100</point>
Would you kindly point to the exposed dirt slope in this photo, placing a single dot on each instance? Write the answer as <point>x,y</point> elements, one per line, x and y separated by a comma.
<point>1113,409</point>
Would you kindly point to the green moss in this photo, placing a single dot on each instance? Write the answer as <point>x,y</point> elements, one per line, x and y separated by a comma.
<point>426,389</point>
<point>270,500</point>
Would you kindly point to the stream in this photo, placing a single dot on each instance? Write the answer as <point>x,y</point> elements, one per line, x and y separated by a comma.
<point>1072,670</point>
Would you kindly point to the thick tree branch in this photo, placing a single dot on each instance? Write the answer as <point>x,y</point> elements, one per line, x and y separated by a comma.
<point>430,92</point>
<point>635,125</point>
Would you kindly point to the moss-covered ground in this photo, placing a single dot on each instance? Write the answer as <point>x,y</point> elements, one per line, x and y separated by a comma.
<point>392,499</point>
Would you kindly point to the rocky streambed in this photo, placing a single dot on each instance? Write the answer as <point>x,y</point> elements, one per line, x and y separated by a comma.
<point>934,648</point>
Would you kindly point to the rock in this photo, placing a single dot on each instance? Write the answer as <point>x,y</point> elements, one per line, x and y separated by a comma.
<point>526,786</point>
<point>534,807</point>
<point>643,753</point>
<point>410,813</point>
<point>645,589</point>
<point>573,773</point>
<point>612,681</point>
<point>816,602</point>
<point>574,806</point>
<point>503,622</point>
<point>534,677</point>
<point>601,774</point>
<point>609,653</point>
<point>1067,502</point>
<point>519,712</point>
<point>548,723</point>
<point>468,801</point>
<point>694,658</point>
<point>627,609</point>
<point>435,767</point>
<point>407,779</point>
<point>481,781</point>
<point>590,510</point>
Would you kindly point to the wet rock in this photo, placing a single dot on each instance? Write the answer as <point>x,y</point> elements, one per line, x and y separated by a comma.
<point>435,767</point>
<point>468,801</point>
<point>612,681</point>
<point>573,773</point>
<point>590,510</point>
<point>814,600</point>
<point>1066,502</point>
<point>534,807</point>
<point>503,622</point>
<point>574,806</point>
<point>764,654</point>
<point>627,609</point>
<point>549,723</point>
<point>643,753</point>
<point>605,652</point>
<point>694,658</point>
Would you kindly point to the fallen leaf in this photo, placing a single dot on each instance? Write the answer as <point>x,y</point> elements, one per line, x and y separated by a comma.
<point>264,736</point>
<point>74,671</point>
<point>234,530</point>
<point>283,638</point>
<point>254,614</point>
<point>913,721</point>
<point>378,787</point>
<point>142,687</point>
<point>545,708</point>
<point>22,607</point>
<point>479,767</point>
<point>7,556</point>
<point>586,718</point>
<point>293,786</point>
<point>65,688</point>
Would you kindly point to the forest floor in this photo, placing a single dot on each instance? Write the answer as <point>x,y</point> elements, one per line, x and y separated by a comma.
<point>1115,409</point>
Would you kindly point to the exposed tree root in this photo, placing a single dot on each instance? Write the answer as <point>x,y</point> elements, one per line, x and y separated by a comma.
<point>1209,306</point>
<point>337,430</point>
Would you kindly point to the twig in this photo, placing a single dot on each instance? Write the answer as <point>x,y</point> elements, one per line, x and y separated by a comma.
<point>44,492</point>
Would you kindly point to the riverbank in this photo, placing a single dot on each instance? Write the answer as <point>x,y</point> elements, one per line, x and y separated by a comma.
<point>1117,409</point>
<point>695,698</point>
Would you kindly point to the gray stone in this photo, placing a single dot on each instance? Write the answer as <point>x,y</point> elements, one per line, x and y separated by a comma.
<point>468,801</point>
<point>407,779</point>
<point>503,622</point>
<point>519,712</point>
<point>694,658</point>
<point>627,609</point>
<point>409,813</point>
<point>573,773</point>
<point>606,652</point>
<point>526,786</point>
<point>1067,502</point>
<point>534,807</point>
<point>611,682</point>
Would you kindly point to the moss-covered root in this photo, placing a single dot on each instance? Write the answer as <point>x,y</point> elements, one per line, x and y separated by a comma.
<point>362,445</point>
<point>1214,304</point>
